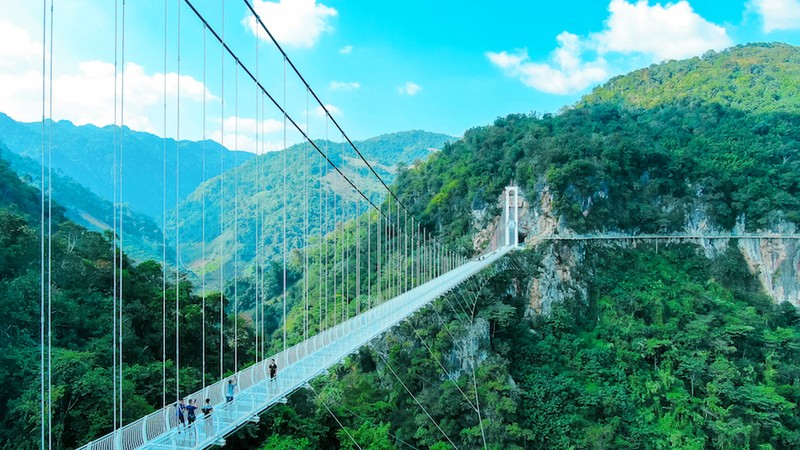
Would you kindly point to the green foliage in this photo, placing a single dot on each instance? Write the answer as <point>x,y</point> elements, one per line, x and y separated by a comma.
<point>670,358</point>
<point>143,239</point>
<point>255,189</point>
<point>82,300</point>
<point>754,77</point>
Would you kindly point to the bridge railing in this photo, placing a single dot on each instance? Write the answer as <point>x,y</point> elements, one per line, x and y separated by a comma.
<point>351,334</point>
<point>161,421</point>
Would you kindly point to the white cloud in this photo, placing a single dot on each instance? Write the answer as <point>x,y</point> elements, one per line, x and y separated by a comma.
<point>333,110</point>
<point>344,85</point>
<point>87,95</point>
<point>20,52</point>
<point>564,74</point>
<point>653,32</point>
<point>251,126</point>
<point>777,14</point>
<point>247,143</point>
<point>240,134</point>
<point>409,88</point>
<point>297,23</point>
<point>346,50</point>
<point>673,31</point>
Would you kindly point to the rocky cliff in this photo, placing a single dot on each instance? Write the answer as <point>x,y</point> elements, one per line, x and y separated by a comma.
<point>774,261</point>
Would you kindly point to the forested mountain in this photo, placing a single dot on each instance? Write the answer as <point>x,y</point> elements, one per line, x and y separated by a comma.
<point>611,165</point>
<point>82,310</point>
<point>647,346</point>
<point>644,347</point>
<point>756,78</point>
<point>250,197</point>
<point>85,154</point>
<point>143,237</point>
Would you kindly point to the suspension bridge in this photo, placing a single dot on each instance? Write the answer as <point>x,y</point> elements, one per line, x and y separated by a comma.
<point>378,263</point>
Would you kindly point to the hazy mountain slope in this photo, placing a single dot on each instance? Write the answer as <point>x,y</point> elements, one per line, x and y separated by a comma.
<point>86,154</point>
<point>259,199</point>
<point>142,235</point>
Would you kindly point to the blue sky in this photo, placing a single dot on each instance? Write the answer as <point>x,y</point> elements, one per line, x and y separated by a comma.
<point>380,67</point>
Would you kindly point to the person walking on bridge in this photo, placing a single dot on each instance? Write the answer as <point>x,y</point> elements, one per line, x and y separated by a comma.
<point>273,370</point>
<point>208,421</point>
<point>232,383</point>
<point>180,410</point>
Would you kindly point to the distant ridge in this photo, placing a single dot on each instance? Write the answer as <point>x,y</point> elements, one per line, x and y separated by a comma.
<point>85,154</point>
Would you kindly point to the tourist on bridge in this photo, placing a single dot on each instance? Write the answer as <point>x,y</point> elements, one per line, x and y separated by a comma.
<point>232,383</point>
<point>180,409</point>
<point>190,411</point>
<point>273,370</point>
<point>209,422</point>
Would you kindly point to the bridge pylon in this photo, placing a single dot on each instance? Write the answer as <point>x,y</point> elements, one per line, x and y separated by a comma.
<point>511,214</point>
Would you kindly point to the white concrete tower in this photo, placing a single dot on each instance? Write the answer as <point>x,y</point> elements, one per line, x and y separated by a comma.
<point>512,218</point>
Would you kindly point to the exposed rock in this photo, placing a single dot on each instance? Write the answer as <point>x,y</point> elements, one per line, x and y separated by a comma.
<point>776,262</point>
<point>474,342</point>
<point>556,279</point>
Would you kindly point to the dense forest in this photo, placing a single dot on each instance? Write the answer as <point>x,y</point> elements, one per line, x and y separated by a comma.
<point>671,350</point>
<point>82,350</point>
<point>668,349</point>
<point>242,208</point>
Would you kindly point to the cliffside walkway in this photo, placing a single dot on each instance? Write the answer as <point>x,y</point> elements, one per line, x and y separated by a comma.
<point>660,237</point>
<point>296,367</point>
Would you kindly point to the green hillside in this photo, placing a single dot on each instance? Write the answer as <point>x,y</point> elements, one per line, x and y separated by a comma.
<point>143,238</point>
<point>254,191</point>
<point>756,78</point>
<point>82,352</point>
<point>616,166</point>
<point>668,349</point>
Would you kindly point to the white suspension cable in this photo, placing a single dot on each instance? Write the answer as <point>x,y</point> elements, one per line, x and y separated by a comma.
<point>115,226</point>
<point>284,205</point>
<point>258,191</point>
<point>203,216</point>
<point>164,229</point>
<point>121,184</point>
<point>323,243</point>
<point>326,237</point>
<point>42,193</point>
<point>306,231</point>
<point>343,202</point>
<point>236,223</point>
<point>178,217</point>
<point>221,207</point>
<point>369,257</point>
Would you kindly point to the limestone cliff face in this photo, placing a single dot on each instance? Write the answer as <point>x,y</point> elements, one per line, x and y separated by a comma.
<point>775,262</point>
<point>556,279</point>
<point>473,343</point>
